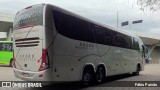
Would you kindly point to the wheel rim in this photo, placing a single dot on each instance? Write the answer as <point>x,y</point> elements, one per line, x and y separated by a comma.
<point>87,77</point>
<point>138,69</point>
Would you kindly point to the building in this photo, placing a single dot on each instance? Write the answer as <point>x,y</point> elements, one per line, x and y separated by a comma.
<point>6,24</point>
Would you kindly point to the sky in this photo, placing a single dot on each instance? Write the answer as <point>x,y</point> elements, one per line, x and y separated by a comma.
<point>102,11</point>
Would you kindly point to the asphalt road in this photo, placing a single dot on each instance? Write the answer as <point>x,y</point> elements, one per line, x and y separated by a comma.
<point>6,74</point>
<point>151,73</point>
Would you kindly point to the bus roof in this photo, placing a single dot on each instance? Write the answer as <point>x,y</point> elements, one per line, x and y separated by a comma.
<point>6,41</point>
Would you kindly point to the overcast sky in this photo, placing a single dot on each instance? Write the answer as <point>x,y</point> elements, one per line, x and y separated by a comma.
<point>103,11</point>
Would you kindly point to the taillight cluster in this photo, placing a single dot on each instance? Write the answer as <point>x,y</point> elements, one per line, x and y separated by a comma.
<point>44,63</point>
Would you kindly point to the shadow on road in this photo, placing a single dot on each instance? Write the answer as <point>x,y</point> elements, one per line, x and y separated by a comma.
<point>79,85</point>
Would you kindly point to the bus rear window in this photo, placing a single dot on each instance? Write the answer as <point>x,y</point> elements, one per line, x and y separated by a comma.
<point>32,16</point>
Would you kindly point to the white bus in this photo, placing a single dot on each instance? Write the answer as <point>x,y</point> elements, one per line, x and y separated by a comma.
<point>53,44</point>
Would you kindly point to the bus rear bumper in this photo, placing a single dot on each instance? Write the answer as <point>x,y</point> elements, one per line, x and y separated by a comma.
<point>32,76</point>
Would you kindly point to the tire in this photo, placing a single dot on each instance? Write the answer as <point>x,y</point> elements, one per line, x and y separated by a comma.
<point>100,75</point>
<point>11,63</point>
<point>88,75</point>
<point>137,71</point>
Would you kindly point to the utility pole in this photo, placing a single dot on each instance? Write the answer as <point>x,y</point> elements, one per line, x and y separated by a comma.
<point>117,17</point>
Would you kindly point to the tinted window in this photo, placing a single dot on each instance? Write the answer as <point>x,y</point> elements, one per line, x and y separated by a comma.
<point>128,41</point>
<point>72,27</point>
<point>120,41</point>
<point>135,44</point>
<point>30,16</point>
<point>99,33</point>
<point>78,29</point>
<point>109,37</point>
<point>104,35</point>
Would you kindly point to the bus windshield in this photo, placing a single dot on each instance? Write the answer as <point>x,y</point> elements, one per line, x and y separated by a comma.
<point>5,46</point>
<point>30,16</point>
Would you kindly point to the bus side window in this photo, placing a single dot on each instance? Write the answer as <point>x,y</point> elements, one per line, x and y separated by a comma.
<point>119,40</point>
<point>122,41</point>
<point>109,37</point>
<point>72,27</point>
<point>99,35</point>
<point>128,40</point>
<point>135,44</point>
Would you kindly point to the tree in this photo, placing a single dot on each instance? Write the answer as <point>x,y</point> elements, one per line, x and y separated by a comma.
<point>153,5</point>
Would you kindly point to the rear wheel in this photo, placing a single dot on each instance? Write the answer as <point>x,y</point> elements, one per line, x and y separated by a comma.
<point>87,77</point>
<point>100,75</point>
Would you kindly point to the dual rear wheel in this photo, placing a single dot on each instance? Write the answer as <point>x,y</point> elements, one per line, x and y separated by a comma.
<point>89,77</point>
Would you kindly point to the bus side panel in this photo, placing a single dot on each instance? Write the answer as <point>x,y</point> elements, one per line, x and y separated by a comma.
<point>111,60</point>
<point>129,58</point>
<point>70,58</point>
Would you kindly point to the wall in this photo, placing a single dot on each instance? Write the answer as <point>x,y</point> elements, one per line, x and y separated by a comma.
<point>155,54</point>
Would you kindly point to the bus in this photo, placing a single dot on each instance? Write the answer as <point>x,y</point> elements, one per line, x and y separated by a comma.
<point>6,53</point>
<point>54,44</point>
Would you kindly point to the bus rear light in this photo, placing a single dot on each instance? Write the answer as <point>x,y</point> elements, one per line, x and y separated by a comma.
<point>44,63</point>
<point>41,75</point>
<point>44,55</point>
